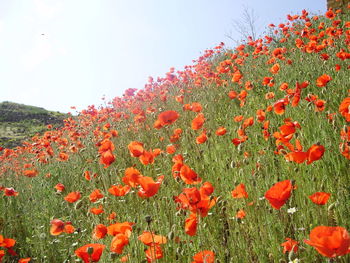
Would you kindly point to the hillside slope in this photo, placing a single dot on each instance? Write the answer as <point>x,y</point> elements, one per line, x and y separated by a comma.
<point>19,122</point>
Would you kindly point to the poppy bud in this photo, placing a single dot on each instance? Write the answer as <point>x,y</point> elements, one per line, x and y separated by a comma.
<point>148,219</point>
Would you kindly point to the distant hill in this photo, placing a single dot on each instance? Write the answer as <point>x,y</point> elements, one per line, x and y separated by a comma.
<point>19,122</point>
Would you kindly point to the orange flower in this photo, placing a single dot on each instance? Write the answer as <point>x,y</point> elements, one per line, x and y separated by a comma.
<point>120,228</point>
<point>290,245</point>
<point>150,239</point>
<point>131,177</point>
<point>239,192</point>
<point>168,117</point>
<point>191,224</point>
<point>238,118</point>
<point>118,243</point>
<point>147,158</point>
<point>99,232</point>
<point>72,197</point>
<point>57,227</point>
<point>68,228</point>
<point>344,109</point>
<point>171,149</point>
<point>205,256</point>
<point>198,121</point>
<point>279,106</point>
<point>232,94</point>
<point>323,80</point>
<point>320,198</point>
<point>119,190</point>
<point>275,68</point>
<point>268,81</point>
<point>279,193</point>
<point>10,192</point>
<point>136,148</point>
<point>59,187</point>
<point>189,176</point>
<point>95,196</point>
<point>106,145</point>
<point>330,241</point>
<point>24,260</point>
<point>330,14</point>
<point>107,158</point>
<point>221,131</point>
<point>240,214</point>
<point>90,253</point>
<point>202,138</point>
<point>153,253</point>
<point>97,210</point>
<point>314,153</point>
<point>148,186</point>
<point>30,173</point>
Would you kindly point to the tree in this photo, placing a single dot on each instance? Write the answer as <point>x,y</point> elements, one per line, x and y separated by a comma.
<point>246,27</point>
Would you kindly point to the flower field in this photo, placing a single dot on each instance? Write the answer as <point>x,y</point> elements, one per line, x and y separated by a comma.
<point>241,157</point>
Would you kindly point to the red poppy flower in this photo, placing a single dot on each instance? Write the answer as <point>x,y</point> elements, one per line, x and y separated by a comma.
<point>198,121</point>
<point>97,210</point>
<point>72,197</point>
<point>99,232</point>
<point>149,187</point>
<point>239,192</point>
<point>118,243</point>
<point>150,239</point>
<point>59,187</point>
<point>191,224</point>
<point>330,241</point>
<point>119,190</point>
<point>90,252</point>
<point>95,196</point>
<point>136,148</point>
<point>279,193</point>
<point>314,153</point>
<point>10,192</point>
<point>57,227</point>
<point>131,177</point>
<point>189,176</point>
<point>290,245</point>
<point>202,138</point>
<point>205,256</point>
<point>168,117</point>
<point>344,109</point>
<point>107,158</point>
<point>320,198</point>
<point>323,80</point>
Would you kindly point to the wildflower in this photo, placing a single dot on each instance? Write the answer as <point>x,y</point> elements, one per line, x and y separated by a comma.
<point>320,198</point>
<point>90,252</point>
<point>279,193</point>
<point>290,245</point>
<point>239,192</point>
<point>330,241</point>
<point>205,256</point>
<point>291,210</point>
<point>72,197</point>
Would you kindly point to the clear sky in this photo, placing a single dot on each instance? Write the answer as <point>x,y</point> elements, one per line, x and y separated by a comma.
<point>61,53</point>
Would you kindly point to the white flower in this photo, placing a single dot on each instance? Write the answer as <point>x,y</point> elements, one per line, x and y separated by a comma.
<point>291,210</point>
<point>294,261</point>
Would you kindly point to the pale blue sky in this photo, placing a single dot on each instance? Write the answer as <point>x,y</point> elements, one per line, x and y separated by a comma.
<point>61,53</point>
